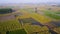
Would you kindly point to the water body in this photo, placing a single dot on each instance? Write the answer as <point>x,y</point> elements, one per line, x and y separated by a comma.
<point>56,23</point>
<point>30,20</point>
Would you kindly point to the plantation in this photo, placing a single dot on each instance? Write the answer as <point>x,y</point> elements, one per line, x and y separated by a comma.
<point>9,25</point>
<point>31,29</point>
<point>57,30</point>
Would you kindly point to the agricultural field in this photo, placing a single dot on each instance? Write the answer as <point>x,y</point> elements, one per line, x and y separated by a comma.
<point>9,25</point>
<point>30,20</point>
<point>46,16</point>
<point>55,15</point>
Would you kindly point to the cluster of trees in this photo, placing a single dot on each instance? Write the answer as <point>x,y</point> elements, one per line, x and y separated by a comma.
<point>5,10</point>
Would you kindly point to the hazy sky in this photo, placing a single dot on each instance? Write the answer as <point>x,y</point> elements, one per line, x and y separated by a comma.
<point>28,1</point>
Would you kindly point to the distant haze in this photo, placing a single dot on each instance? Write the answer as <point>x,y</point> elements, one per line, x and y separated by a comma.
<point>29,1</point>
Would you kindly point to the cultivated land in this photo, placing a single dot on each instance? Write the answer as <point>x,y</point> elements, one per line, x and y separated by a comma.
<point>32,19</point>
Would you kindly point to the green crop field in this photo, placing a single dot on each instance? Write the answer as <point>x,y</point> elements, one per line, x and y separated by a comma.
<point>21,31</point>
<point>52,14</point>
